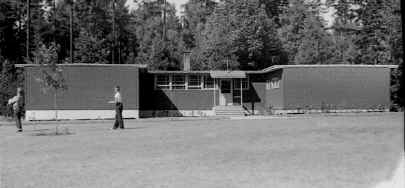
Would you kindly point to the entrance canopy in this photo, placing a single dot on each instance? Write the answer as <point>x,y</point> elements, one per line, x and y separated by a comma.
<point>227,74</point>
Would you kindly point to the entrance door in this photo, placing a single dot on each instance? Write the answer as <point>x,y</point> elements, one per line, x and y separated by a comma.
<point>225,97</point>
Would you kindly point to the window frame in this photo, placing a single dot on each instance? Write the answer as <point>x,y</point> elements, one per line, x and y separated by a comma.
<point>162,86</point>
<point>195,87</point>
<point>173,85</point>
<point>186,84</point>
<point>273,83</point>
<point>213,83</point>
<point>238,85</point>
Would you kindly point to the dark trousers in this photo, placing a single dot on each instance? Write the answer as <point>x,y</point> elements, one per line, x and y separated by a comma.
<point>17,117</point>
<point>119,123</point>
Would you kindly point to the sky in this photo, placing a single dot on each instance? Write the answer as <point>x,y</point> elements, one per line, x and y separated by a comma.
<point>178,3</point>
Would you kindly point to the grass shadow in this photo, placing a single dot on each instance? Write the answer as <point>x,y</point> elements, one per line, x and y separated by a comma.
<point>40,130</point>
<point>50,132</point>
<point>133,128</point>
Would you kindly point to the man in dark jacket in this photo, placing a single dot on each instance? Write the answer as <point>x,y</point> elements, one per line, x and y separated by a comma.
<point>17,103</point>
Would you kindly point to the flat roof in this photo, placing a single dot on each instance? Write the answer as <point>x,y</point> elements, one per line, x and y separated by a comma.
<point>213,74</point>
<point>277,67</point>
<point>218,73</point>
<point>228,74</point>
<point>177,72</point>
<point>86,65</point>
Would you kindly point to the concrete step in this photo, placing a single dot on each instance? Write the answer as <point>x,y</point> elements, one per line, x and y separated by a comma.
<point>229,111</point>
<point>229,114</point>
<point>228,107</point>
<point>225,112</point>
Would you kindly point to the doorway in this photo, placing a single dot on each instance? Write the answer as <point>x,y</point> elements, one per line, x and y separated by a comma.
<point>226,92</point>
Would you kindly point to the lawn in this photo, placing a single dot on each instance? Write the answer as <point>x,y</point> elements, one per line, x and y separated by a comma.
<point>324,151</point>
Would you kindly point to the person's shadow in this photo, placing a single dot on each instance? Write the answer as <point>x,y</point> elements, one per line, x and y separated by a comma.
<point>134,128</point>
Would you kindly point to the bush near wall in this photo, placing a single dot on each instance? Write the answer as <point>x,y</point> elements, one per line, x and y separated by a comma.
<point>397,90</point>
<point>10,78</point>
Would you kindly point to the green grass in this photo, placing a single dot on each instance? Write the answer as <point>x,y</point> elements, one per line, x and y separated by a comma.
<point>303,151</point>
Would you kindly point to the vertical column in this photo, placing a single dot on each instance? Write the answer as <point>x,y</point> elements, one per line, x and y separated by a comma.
<point>215,85</point>
<point>241,93</point>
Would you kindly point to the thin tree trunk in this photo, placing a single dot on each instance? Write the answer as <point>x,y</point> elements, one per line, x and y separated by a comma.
<point>28,29</point>
<point>164,21</point>
<point>54,21</point>
<point>55,106</point>
<point>119,52</point>
<point>19,17</point>
<point>113,32</point>
<point>71,31</point>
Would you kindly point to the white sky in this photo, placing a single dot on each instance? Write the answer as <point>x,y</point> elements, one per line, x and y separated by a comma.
<point>178,3</point>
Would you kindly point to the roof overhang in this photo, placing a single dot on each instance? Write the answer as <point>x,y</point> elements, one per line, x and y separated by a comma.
<point>177,72</point>
<point>221,74</point>
<point>228,74</point>
<point>278,67</point>
<point>85,65</point>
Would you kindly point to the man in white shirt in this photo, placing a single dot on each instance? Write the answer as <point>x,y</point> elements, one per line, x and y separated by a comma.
<point>18,107</point>
<point>119,123</point>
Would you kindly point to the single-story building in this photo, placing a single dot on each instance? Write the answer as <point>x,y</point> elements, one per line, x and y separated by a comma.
<point>274,90</point>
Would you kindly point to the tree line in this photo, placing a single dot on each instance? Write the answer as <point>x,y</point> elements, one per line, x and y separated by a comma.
<point>240,34</point>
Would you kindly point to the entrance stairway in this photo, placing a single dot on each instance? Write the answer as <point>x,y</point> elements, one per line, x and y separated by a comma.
<point>229,111</point>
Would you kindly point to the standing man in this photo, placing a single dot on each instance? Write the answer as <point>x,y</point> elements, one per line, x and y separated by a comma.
<point>119,123</point>
<point>18,107</point>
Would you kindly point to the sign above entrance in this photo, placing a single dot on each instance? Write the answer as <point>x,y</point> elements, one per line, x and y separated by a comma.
<point>227,74</point>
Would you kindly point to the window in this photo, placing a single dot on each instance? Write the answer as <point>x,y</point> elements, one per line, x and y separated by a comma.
<point>245,84</point>
<point>208,82</point>
<point>181,82</point>
<point>178,82</point>
<point>162,82</point>
<point>194,82</point>
<point>273,83</point>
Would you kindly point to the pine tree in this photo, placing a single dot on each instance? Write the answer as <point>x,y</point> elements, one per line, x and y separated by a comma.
<point>12,32</point>
<point>91,49</point>
<point>196,13</point>
<point>345,29</point>
<point>153,49</point>
<point>396,48</point>
<point>239,33</point>
<point>275,8</point>
<point>344,48</point>
<point>315,45</point>
<point>125,33</point>
<point>9,79</point>
<point>12,48</point>
<point>373,39</point>
<point>303,34</point>
<point>292,26</point>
